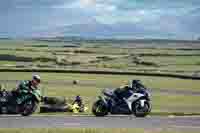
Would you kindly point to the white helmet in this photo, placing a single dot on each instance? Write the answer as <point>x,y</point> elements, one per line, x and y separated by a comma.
<point>37,78</point>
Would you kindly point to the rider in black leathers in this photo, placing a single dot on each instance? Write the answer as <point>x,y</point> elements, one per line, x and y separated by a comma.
<point>121,92</point>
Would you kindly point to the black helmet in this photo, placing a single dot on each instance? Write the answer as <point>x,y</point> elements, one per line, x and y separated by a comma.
<point>134,83</point>
<point>78,97</point>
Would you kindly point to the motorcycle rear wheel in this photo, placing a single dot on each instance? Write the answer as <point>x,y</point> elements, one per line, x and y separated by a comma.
<point>29,107</point>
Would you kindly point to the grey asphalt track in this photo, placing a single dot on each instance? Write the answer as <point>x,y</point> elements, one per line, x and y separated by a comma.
<point>153,122</point>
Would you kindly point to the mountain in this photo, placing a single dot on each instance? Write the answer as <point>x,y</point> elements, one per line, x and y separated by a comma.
<point>121,30</point>
<point>99,30</point>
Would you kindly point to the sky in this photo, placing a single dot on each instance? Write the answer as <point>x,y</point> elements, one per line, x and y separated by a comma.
<point>176,19</point>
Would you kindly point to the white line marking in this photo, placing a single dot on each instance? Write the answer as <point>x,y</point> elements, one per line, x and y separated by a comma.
<point>191,127</point>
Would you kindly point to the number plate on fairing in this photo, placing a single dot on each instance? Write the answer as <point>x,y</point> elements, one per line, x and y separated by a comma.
<point>2,99</point>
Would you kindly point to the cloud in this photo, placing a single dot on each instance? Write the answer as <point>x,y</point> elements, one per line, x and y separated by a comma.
<point>92,7</point>
<point>88,3</point>
<point>17,4</point>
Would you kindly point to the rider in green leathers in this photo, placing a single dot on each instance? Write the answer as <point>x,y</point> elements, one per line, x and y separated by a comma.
<point>25,87</point>
<point>29,85</point>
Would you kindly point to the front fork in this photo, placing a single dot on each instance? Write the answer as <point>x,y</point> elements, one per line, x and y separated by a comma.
<point>103,99</point>
<point>142,102</point>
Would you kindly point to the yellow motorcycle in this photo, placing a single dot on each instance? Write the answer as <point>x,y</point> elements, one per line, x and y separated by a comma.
<point>75,108</point>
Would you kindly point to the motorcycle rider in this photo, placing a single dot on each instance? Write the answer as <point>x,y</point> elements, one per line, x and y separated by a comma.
<point>79,107</point>
<point>121,93</point>
<point>24,86</point>
<point>78,100</point>
<point>28,85</point>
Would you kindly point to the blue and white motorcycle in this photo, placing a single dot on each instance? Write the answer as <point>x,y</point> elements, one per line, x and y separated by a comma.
<point>135,102</point>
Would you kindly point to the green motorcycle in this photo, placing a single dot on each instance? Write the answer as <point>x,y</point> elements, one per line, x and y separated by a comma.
<point>24,103</point>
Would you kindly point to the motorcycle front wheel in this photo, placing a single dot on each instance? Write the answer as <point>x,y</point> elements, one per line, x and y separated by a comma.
<point>99,109</point>
<point>139,111</point>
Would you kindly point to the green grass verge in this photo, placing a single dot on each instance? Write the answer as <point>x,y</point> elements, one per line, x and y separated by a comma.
<point>173,114</point>
<point>91,130</point>
<point>91,85</point>
<point>102,72</point>
<point>101,80</point>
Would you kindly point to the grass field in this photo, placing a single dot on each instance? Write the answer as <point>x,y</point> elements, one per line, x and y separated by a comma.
<point>55,55</point>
